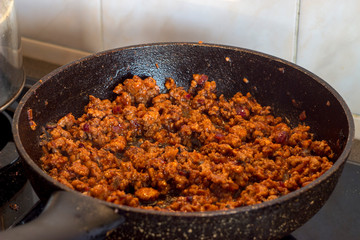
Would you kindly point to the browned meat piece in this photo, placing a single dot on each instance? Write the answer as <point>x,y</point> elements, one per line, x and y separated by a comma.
<point>147,194</point>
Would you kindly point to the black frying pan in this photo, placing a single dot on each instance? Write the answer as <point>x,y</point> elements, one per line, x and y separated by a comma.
<point>287,88</point>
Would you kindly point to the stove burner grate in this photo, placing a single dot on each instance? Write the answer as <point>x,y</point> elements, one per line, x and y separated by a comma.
<point>12,177</point>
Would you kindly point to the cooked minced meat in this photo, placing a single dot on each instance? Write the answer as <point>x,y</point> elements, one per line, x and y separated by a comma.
<point>183,150</point>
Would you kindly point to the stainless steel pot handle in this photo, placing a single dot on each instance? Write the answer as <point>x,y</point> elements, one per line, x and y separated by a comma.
<point>68,216</point>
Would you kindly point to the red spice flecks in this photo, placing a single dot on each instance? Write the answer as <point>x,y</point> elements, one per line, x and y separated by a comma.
<point>200,78</point>
<point>281,137</point>
<point>86,127</point>
<point>187,96</point>
<point>219,136</point>
<point>201,101</point>
<point>117,128</point>
<point>29,114</point>
<point>282,70</point>
<point>135,124</point>
<point>32,123</point>
<point>302,116</point>
<point>242,111</point>
<point>14,206</point>
<point>116,110</point>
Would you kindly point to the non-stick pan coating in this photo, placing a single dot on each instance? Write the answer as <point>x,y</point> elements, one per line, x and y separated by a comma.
<point>287,88</point>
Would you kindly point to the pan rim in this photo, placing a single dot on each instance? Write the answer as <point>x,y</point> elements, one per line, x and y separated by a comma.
<point>338,163</point>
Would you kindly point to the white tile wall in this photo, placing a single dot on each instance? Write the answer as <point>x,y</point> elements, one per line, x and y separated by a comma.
<point>329,45</point>
<point>266,26</point>
<point>66,23</point>
<point>324,39</point>
<point>94,25</point>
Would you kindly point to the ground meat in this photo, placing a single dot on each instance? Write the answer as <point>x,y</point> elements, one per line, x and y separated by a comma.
<point>181,150</point>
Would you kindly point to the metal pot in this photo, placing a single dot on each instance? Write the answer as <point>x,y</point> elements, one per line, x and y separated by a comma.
<point>287,88</point>
<point>12,77</point>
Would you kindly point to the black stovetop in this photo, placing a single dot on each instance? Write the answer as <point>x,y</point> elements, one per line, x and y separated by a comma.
<point>339,218</point>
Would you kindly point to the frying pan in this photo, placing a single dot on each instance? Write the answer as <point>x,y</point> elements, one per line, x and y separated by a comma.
<point>286,87</point>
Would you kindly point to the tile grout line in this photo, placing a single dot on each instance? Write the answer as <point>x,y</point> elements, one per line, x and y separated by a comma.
<point>356,117</point>
<point>101,20</point>
<point>296,32</point>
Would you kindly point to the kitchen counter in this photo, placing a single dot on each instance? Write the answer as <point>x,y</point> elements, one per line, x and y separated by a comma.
<point>36,69</point>
<point>355,153</point>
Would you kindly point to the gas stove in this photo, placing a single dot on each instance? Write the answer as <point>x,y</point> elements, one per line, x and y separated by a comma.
<point>17,198</point>
<point>338,219</point>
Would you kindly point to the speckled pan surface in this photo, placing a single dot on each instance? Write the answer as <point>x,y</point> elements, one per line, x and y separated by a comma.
<point>272,81</point>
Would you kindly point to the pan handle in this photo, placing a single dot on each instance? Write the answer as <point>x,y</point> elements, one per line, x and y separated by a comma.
<point>68,216</point>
